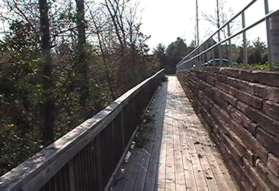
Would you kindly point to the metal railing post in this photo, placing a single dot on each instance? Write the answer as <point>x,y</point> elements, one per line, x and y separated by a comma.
<point>220,56</point>
<point>266,7</point>
<point>245,53</point>
<point>274,40</point>
<point>230,42</point>
<point>197,60</point>
<point>215,50</point>
<point>219,33</point>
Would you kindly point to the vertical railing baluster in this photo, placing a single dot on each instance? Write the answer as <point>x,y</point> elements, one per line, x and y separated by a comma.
<point>122,127</point>
<point>98,164</point>
<point>266,7</point>
<point>245,53</point>
<point>274,41</point>
<point>204,55</point>
<point>230,41</point>
<point>219,32</point>
<point>71,175</point>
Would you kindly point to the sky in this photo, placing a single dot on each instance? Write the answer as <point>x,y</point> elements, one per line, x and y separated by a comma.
<point>165,20</point>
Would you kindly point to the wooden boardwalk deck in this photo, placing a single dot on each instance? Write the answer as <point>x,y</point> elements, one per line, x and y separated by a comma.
<point>173,151</point>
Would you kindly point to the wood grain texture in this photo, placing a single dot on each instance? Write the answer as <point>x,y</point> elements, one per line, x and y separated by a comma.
<point>180,153</point>
<point>46,166</point>
<point>241,112</point>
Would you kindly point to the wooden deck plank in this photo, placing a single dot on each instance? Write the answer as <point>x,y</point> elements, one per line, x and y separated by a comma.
<point>207,171</point>
<point>219,175</point>
<point>180,155</point>
<point>205,147</point>
<point>226,178</point>
<point>147,178</point>
<point>159,154</point>
<point>162,168</point>
<point>187,162</point>
<point>142,170</point>
<point>179,168</point>
<point>198,171</point>
<point>170,169</point>
<point>152,171</point>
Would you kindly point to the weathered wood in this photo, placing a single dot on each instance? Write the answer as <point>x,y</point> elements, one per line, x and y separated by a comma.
<point>188,158</point>
<point>71,176</point>
<point>36,172</point>
<point>179,167</point>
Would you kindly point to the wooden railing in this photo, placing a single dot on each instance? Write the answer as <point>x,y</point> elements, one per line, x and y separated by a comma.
<point>86,158</point>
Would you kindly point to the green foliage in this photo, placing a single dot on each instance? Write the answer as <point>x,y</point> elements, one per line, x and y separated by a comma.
<point>14,147</point>
<point>265,67</point>
<point>170,56</point>
<point>258,52</point>
<point>160,53</point>
<point>111,72</point>
<point>176,51</point>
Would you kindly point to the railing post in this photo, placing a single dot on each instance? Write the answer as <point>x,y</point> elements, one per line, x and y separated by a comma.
<point>198,59</point>
<point>274,40</point>
<point>220,55</point>
<point>71,176</point>
<point>266,7</point>
<point>230,41</point>
<point>219,32</point>
<point>204,55</point>
<point>213,53</point>
<point>99,163</point>
<point>122,127</point>
<point>245,54</point>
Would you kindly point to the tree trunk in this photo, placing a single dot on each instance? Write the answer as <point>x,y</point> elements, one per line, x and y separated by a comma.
<point>47,107</point>
<point>81,65</point>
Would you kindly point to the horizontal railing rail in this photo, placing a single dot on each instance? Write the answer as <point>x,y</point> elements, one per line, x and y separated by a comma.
<point>85,158</point>
<point>200,54</point>
<point>220,29</point>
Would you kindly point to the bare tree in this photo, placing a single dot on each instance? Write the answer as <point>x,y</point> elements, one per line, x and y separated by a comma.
<point>99,31</point>
<point>116,9</point>
<point>221,15</point>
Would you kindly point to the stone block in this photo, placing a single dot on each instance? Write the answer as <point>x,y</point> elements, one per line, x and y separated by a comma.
<point>266,92</point>
<point>248,99</point>
<point>253,175</point>
<point>271,109</point>
<point>230,72</point>
<point>270,142</point>
<point>267,123</point>
<point>267,175</point>
<point>273,164</point>
<point>250,141</point>
<point>267,78</point>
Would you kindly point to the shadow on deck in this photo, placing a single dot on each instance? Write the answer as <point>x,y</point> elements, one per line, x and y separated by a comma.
<point>172,150</point>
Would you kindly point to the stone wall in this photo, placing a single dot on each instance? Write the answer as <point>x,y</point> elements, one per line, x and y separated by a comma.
<point>240,109</point>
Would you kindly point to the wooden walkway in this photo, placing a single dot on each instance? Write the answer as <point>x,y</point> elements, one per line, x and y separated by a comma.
<point>172,151</point>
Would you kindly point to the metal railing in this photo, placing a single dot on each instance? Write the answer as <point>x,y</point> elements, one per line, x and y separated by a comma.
<point>86,158</point>
<point>203,52</point>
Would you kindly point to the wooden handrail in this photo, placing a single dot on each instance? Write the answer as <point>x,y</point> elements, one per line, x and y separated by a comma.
<point>61,165</point>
